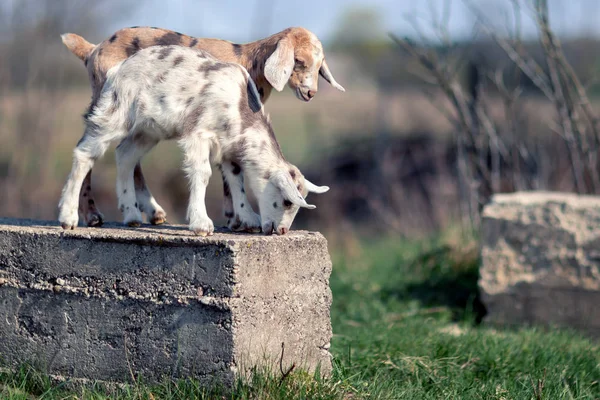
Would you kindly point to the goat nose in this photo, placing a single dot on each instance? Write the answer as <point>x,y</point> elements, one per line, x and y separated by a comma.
<point>311,93</point>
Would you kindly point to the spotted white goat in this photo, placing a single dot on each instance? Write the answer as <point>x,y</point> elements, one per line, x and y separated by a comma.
<point>213,110</point>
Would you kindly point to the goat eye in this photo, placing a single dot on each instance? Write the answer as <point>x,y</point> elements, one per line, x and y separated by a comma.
<point>287,203</point>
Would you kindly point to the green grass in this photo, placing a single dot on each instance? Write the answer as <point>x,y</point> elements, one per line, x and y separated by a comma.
<point>406,326</point>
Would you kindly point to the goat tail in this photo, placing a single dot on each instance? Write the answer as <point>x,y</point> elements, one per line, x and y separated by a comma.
<point>77,45</point>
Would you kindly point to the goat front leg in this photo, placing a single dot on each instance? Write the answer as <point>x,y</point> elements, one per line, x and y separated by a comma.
<point>197,167</point>
<point>89,148</point>
<point>147,204</point>
<point>244,219</point>
<point>87,206</point>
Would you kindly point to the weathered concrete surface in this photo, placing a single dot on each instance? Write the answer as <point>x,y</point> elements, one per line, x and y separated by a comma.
<point>541,260</point>
<point>102,303</point>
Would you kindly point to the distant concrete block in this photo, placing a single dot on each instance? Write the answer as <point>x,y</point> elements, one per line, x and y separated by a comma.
<point>102,303</point>
<point>541,260</point>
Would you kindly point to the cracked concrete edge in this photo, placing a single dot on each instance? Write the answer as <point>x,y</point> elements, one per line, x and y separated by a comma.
<point>300,316</point>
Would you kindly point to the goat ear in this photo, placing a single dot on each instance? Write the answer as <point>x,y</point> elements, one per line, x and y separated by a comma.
<point>326,74</point>
<point>283,181</point>
<point>314,188</point>
<point>279,65</point>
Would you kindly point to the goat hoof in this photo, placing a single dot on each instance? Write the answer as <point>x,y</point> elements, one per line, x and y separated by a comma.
<point>134,224</point>
<point>95,220</point>
<point>67,226</point>
<point>158,218</point>
<point>202,228</point>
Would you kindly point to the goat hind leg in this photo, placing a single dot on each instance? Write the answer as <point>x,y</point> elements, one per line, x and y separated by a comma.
<point>244,218</point>
<point>147,202</point>
<point>129,152</point>
<point>87,206</point>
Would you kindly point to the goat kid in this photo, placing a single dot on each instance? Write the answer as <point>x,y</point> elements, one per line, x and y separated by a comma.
<point>213,110</point>
<point>294,55</point>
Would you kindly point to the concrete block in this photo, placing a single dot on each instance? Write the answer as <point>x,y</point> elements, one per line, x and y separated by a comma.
<point>541,260</point>
<point>106,303</point>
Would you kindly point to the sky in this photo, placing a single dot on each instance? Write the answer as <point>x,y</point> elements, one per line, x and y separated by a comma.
<point>241,21</point>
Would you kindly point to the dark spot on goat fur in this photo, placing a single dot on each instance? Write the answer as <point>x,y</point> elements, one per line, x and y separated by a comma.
<point>237,49</point>
<point>133,47</point>
<point>164,52</point>
<point>124,191</point>
<point>135,27</point>
<point>293,174</point>
<point>178,60</point>
<point>194,42</point>
<point>226,189</point>
<point>242,205</point>
<point>267,175</point>
<point>189,101</point>
<point>113,38</point>
<point>261,91</point>
<point>191,121</point>
<point>229,214</point>
<point>236,168</point>
<point>91,202</point>
<point>223,124</point>
<point>85,62</point>
<point>209,67</point>
<point>170,38</point>
<point>275,205</point>
<point>162,77</point>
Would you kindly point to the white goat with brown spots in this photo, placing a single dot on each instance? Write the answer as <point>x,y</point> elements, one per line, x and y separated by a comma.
<point>294,56</point>
<point>213,110</point>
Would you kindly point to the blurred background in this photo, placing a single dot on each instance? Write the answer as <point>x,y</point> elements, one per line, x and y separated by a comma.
<point>446,103</point>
